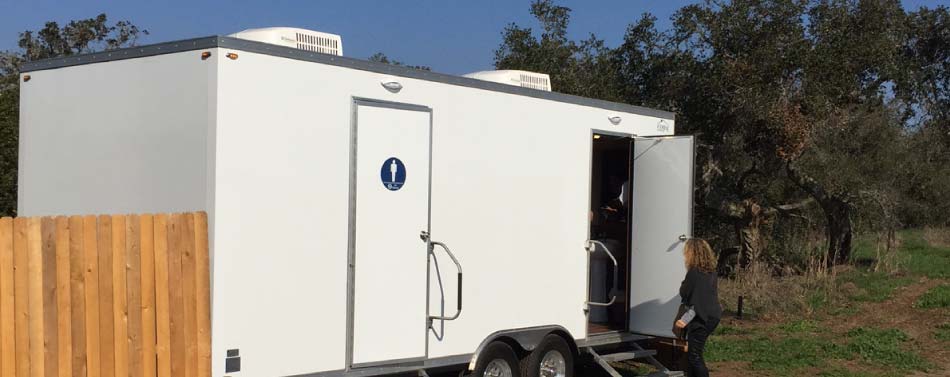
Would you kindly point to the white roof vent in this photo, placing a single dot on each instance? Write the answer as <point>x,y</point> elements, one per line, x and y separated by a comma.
<point>303,39</point>
<point>533,80</point>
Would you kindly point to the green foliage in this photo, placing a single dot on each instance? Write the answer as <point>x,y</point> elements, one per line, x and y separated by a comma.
<point>936,297</point>
<point>923,259</point>
<point>875,286</point>
<point>382,58</point>
<point>584,68</point>
<point>884,347</point>
<point>634,369</point>
<point>847,309</point>
<point>730,330</point>
<point>76,37</point>
<point>9,131</point>
<point>785,355</point>
<point>799,326</point>
<point>942,332</point>
<point>842,372</point>
<point>848,95</point>
<point>802,345</point>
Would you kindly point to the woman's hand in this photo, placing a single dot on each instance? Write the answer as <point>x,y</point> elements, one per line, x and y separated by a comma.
<point>680,324</point>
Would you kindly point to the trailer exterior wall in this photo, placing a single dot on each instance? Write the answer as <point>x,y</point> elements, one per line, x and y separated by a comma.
<point>510,195</point>
<point>264,142</point>
<point>127,136</point>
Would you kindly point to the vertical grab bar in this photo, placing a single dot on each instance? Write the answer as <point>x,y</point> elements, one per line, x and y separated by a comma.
<point>591,249</point>
<point>459,267</point>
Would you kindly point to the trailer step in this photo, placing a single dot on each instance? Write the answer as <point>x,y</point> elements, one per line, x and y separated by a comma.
<point>631,355</point>
<point>604,364</point>
<point>638,353</point>
<point>669,373</point>
<point>612,338</point>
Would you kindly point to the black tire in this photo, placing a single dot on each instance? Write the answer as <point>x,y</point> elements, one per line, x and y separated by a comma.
<point>497,351</point>
<point>531,365</point>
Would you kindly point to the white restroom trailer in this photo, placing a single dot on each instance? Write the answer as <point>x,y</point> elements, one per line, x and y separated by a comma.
<point>342,192</point>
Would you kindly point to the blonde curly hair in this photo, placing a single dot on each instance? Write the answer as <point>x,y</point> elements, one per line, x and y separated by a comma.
<point>699,255</point>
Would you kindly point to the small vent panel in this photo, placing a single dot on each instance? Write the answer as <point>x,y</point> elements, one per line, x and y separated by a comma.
<point>535,82</point>
<point>524,79</point>
<point>303,39</point>
<point>317,43</point>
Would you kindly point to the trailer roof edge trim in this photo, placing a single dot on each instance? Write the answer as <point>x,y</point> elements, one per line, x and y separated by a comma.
<point>340,61</point>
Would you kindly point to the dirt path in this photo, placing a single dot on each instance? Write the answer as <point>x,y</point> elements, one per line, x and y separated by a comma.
<point>899,313</point>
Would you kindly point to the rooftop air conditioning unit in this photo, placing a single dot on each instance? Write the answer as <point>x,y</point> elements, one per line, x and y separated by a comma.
<point>303,39</point>
<point>533,80</point>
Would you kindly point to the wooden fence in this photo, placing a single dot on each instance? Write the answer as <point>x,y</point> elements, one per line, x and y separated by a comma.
<point>105,296</point>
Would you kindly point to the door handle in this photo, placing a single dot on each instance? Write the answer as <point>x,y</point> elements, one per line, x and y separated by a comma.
<point>683,237</point>
<point>591,246</point>
<point>458,310</point>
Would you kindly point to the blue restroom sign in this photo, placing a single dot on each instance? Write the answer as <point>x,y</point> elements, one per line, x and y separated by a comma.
<point>393,174</point>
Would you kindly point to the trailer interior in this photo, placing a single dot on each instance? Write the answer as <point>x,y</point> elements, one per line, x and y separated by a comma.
<point>610,226</point>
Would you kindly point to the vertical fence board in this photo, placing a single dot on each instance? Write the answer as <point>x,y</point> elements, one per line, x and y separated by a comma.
<point>162,298</point>
<point>203,282</point>
<point>120,317</point>
<point>48,270</point>
<point>189,294</point>
<point>90,246</point>
<point>106,299</point>
<point>147,257</point>
<point>105,296</point>
<point>63,298</point>
<point>77,295</point>
<point>176,302</point>
<point>35,254</point>
<point>7,328</point>
<point>134,294</point>
<point>21,287</point>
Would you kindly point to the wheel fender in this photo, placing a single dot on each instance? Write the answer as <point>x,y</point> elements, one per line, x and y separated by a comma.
<point>527,339</point>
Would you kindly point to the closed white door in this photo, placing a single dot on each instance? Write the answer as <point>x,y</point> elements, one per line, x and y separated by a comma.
<point>661,216</point>
<point>391,209</point>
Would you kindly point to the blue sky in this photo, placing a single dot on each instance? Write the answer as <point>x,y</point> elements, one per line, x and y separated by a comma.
<point>450,36</point>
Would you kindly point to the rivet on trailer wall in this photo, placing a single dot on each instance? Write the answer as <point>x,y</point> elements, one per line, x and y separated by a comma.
<point>391,85</point>
<point>232,56</point>
<point>205,55</point>
<point>26,78</point>
<point>614,119</point>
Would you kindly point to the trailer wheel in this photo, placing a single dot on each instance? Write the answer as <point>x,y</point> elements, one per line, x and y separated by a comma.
<point>552,358</point>
<point>497,360</point>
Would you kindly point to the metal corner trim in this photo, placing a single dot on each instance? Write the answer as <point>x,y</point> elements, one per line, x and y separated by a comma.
<point>340,61</point>
<point>389,69</point>
<point>121,54</point>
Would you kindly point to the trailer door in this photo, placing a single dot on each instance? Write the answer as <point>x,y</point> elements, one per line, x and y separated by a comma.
<point>389,209</point>
<point>661,220</point>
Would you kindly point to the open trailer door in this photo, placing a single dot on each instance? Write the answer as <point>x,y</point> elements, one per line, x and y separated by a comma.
<point>661,221</point>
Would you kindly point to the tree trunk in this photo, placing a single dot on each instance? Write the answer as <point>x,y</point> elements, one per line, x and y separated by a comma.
<point>839,229</point>
<point>747,218</point>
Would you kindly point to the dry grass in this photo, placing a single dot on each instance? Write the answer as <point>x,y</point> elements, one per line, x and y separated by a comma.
<point>772,292</point>
<point>939,237</point>
<point>768,296</point>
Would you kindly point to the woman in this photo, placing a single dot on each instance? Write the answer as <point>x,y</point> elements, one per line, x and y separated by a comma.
<point>699,290</point>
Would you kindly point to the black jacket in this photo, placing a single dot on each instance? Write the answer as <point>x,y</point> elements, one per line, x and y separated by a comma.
<point>700,290</point>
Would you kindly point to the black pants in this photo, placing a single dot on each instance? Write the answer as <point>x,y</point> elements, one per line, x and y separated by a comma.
<point>696,339</point>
